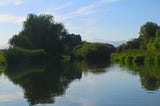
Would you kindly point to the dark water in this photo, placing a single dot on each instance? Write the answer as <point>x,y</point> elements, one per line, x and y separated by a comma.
<point>80,84</point>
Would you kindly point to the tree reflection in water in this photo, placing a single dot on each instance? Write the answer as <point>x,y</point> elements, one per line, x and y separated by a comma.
<point>42,83</point>
<point>149,75</point>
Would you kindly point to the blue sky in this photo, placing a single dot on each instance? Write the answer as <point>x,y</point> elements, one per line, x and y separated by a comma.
<point>94,20</point>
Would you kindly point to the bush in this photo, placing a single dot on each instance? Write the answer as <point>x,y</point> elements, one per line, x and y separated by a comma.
<point>137,57</point>
<point>129,60</point>
<point>93,51</point>
<point>17,54</point>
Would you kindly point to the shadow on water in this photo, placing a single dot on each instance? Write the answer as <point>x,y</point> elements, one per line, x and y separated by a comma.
<point>149,75</point>
<point>43,82</point>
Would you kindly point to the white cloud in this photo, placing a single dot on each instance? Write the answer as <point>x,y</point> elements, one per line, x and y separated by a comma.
<point>11,19</point>
<point>7,2</point>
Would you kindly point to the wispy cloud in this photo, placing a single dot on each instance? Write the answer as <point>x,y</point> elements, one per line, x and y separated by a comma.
<point>11,19</point>
<point>61,7</point>
<point>81,14</point>
<point>91,8</point>
<point>85,10</point>
<point>7,2</point>
<point>109,1</point>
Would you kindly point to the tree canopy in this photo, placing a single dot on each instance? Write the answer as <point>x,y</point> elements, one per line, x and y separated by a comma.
<point>148,30</point>
<point>93,51</point>
<point>149,37</point>
<point>42,32</point>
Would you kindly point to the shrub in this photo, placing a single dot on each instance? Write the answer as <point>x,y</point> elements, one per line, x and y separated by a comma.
<point>93,51</point>
<point>129,60</point>
<point>139,59</point>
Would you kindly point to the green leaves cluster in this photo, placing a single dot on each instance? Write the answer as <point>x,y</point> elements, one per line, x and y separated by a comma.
<point>137,57</point>
<point>42,32</point>
<point>93,51</point>
<point>149,37</point>
<point>143,50</point>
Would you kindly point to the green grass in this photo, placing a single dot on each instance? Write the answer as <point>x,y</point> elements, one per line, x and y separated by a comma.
<point>137,56</point>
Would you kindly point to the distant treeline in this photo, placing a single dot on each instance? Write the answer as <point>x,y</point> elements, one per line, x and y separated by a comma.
<point>144,49</point>
<point>41,37</point>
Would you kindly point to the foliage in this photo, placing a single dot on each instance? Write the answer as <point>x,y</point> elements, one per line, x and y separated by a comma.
<point>71,41</point>
<point>17,54</point>
<point>130,45</point>
<point>142,50</point>
<point>148,31</point>
<point>2,59</point>
<point>156,42</point>
<point>93,51</point>
<point>148,38</point>
<point>42,32</point>
<point>137,57</point>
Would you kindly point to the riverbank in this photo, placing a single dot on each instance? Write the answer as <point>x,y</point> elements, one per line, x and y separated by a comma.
<point>137,57</point>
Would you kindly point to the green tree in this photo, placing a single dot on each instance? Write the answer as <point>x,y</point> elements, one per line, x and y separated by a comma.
<point>148,31</point>
<point>72,40</point>
<point>147,34</point>
<point>93,51</point>
<point>42,32</point>
<point>133,44</point>
<point>156,42</point>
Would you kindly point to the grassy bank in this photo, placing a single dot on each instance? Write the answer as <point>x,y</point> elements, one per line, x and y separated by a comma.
<point>137,57</point>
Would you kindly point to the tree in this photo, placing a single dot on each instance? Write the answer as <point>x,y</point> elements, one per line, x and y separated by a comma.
<point>147,34</point>
<point>158,32</point>
<point>148,31</point>
<point>72,40</point>
<point>42,32</point>
<point>93,51</point>
<point>156,42</point>
<point>133,44</point>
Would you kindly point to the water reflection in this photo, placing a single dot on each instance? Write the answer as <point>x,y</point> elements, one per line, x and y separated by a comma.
<point>43,82</point>
<point>149,75</point>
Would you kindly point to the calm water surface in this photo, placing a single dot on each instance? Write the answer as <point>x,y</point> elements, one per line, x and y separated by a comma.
<point>80,84</point>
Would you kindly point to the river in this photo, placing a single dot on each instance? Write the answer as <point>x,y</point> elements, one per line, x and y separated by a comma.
<point>80,84</point>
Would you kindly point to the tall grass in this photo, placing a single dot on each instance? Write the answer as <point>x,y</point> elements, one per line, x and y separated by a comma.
<point>137,56</point>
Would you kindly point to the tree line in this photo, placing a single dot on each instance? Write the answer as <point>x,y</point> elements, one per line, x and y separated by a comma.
<point>142,50</point>
<point>149,38</point>
<point>42,37</point>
